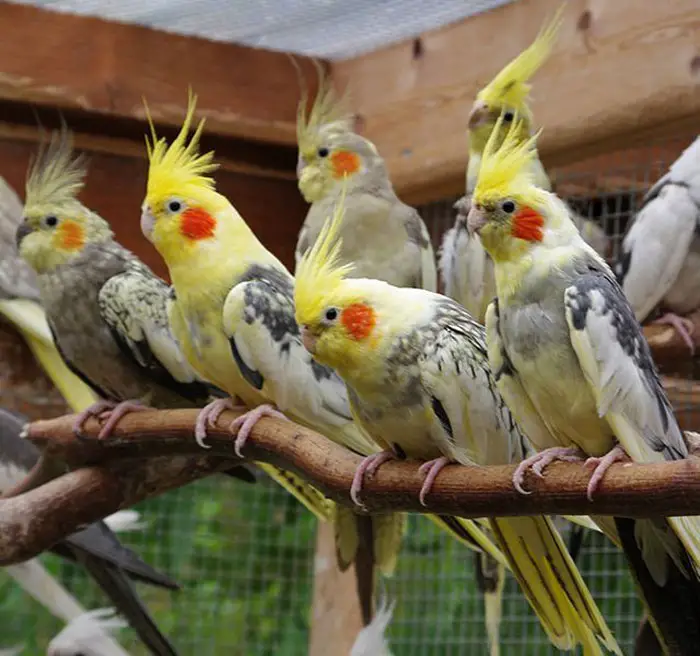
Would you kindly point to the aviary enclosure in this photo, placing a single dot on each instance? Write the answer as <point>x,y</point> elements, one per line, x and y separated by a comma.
<point>618,100</point>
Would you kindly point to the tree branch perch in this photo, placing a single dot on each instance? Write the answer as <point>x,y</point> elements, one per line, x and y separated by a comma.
<point>155,450</point>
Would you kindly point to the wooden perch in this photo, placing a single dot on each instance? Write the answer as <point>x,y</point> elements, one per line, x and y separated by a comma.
<point>666,344</point>
<point>124,477</point>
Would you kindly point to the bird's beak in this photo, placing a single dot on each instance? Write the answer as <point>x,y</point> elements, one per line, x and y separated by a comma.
<point>308,339</point>
<point>479,114</point>
<point>147,222</point>
<point>23,229</point>
<point>476,220</point>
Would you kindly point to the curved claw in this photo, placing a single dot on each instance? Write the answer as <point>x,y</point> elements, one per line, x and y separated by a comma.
<point>92,411</point>
<point>431,469</point>
<point>540,460</point>
<point>241,426</point>
<point>601,465</point>
<point>116,415</point>
<point>208,415</point>
<point>684,327</point>
<point>366,468</point>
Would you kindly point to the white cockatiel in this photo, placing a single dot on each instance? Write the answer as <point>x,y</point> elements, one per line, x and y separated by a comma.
<point>660,259</point>
<point>466,268</point>
<point>568,354</point>
<point>386,238</point>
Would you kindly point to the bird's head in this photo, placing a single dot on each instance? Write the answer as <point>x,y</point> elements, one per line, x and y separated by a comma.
<point>337,316</point>
<point>331,154</point>
<point>182,211</point>
<point>508,211</point>
<point>56,227</point>
<point>508,93</point>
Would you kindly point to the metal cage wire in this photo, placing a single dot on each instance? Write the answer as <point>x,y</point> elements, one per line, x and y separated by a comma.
<point>245,554</point>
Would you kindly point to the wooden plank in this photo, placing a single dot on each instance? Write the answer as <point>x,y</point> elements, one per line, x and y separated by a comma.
<point>76,62</point>
<point>620,72</point>
<point>116,185</point>
<point>336,618</point>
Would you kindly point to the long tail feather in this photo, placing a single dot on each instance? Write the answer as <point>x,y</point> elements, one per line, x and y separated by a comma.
<point>469,534</point>
<point>491,578</point>
<point>552,584</point>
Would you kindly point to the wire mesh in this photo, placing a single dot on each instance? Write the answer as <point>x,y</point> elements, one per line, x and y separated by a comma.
<point>244,553</point>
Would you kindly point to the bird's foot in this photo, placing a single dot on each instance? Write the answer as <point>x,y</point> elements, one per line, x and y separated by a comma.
<point>95,410</point>
<point>430,469</point>
<point>366,469</point>
<point>241,426</point>
<point>540,460</point>
<point>207,416</point>
<point>601,465</point>
<point>116,414</point>
<point>684,327</point>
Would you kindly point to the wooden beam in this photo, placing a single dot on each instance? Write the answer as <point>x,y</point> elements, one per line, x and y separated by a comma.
<point>621,73</point>
<point>76,62</point>
<point>116,184</point>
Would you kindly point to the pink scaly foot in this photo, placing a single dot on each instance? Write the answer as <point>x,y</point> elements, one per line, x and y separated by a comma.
<point>367,468</point>
<point>601,465</point>
<point>115,415</point>
<point>208,416</point>
<point>242,426</point>
<point>684,327</point>
<point>431,469</point>
<point>540,460</point>
<point>93,411</point>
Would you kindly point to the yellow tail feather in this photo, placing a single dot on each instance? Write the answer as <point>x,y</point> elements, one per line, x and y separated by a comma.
<point>29,318</point>
<point>470,535</point>
<point>552,584</point>
<point>389,529</point>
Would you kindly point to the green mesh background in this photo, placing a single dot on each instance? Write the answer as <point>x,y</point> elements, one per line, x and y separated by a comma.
<point>244,554</point>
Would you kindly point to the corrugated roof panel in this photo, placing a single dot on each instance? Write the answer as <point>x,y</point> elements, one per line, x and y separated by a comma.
<point>333,29</point>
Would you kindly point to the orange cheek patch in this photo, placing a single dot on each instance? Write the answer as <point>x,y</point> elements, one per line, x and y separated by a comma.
<point>359,320</point>
<point>197,224</point>
<point>344,163</point>
<point>71,236</point>
<point>528,224</point>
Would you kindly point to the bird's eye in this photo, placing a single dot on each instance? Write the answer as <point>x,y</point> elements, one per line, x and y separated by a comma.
<point>174,205</point>
<point>508,207</point>
<point>51,221</point>
<point>331,314</point>
<point>508,117</point>
<point>323,152</point>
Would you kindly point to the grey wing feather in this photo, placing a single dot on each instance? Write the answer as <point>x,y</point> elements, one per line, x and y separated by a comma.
<point>134,306</point>
<point>617,363</point>
<point>17,280</point>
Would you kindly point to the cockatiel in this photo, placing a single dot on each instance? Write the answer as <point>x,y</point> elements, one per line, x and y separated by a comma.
<point>107,309</point>
<point>660,259</point>
<point>416,368</point>
<point>20,305</point>
<point>568,355</point>
<point>466,268</point>
<point>232,312</point>
<point>386,238</point>
<point>96,548</point>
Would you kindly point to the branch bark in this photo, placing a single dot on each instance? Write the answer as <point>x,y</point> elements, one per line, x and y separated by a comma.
<point>154,451</point>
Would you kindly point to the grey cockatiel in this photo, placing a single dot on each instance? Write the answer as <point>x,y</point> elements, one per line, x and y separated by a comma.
<point>96,548</point>
<point>386,238</point>
<point>105,308</point>
<point>574,368</point>
<point>660,259</point>
<point>20,305</point>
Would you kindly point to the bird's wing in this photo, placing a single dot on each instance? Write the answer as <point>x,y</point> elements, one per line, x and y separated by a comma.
<point>133,304</point>
<point>417,233</point>
<point>617,364</point>
<point>685,170</point>
<point>302,244</point>
<point>655,247</point>
<point>266,345</point>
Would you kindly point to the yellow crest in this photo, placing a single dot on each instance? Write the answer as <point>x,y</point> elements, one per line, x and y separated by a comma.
<point>510,87</point>
<point>327,111</point>
<point>320,273</point>
<point>506,171</point>
<point>178,168</point>
<point>56,176</point>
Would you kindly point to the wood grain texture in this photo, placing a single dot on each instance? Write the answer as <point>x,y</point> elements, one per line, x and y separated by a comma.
<point>620,72</point>
<point>77,62</point>
<point>116,185</point>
